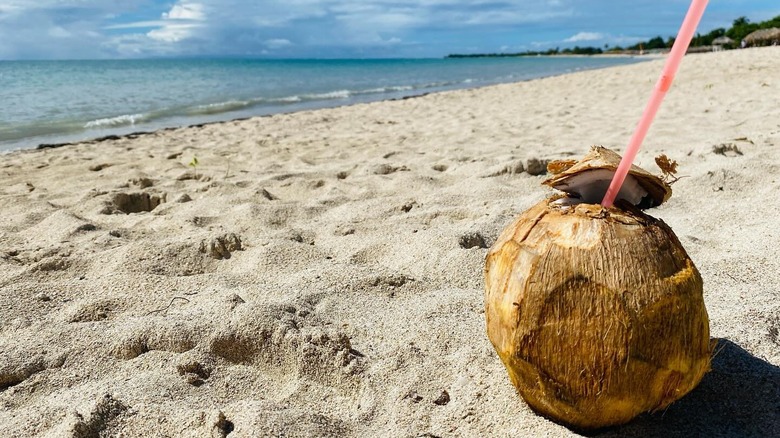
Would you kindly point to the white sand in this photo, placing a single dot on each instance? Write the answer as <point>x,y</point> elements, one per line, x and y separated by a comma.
<point>351,306</point>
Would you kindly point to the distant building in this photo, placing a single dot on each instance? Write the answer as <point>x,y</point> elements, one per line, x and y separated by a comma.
<point>763,37</point>
<point>719,43</point>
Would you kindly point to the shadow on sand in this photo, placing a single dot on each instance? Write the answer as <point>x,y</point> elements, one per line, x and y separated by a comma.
<point>740,397</point>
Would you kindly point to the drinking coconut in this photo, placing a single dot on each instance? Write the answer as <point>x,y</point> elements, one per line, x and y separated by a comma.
<point>597,313</point>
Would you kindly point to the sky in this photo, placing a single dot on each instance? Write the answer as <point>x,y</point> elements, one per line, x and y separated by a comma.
<point>108,29</point>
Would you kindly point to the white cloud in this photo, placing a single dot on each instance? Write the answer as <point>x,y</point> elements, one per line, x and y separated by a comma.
<point>172,33</point>
<point>59,32</point>
<point>585,36</point>
<point>178,24</point>
<point>127,45</point>
<point>137,25</point>
<point>185,11</point>
<point>278,43</point>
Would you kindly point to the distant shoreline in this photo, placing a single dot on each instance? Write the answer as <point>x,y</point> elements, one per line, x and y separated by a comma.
<point>654,53</point>
<point>535,55</point>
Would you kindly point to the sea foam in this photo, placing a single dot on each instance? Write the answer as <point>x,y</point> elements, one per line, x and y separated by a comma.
<point>125,119</point>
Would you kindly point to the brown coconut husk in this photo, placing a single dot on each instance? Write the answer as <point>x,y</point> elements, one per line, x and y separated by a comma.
<point>598,314</point>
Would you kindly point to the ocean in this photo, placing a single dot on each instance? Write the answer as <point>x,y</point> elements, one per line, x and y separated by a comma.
<point>64,101</point>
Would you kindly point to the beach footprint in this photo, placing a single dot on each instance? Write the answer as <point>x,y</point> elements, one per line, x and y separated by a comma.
<point>284,341</point>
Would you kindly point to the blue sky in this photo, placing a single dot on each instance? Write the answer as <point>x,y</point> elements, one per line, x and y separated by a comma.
<point>95,29</point>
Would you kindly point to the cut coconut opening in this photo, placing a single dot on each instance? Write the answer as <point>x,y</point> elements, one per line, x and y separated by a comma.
<point>589,187</point>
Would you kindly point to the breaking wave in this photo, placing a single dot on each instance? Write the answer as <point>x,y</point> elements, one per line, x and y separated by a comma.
<point>126,119</point>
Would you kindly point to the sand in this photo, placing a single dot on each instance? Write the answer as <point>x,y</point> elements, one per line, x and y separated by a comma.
<point>321,273</point>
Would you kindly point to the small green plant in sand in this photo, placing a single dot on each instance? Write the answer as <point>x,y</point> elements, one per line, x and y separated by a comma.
<point>194,164</point>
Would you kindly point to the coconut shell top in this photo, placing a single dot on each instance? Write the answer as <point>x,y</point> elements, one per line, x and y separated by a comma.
<point>589,178</point>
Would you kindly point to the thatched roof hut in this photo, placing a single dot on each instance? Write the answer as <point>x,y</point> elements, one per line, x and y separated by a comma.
<point>723,40</point>
<point>764,37</point>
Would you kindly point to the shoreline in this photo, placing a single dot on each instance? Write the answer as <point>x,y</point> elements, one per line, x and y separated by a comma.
<point>260,110</point>
<point>137,134</point>
<point>321,273</point>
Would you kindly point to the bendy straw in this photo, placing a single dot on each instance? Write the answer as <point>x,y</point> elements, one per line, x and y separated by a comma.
<point>679,48</point>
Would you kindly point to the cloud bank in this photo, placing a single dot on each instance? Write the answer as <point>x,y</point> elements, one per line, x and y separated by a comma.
<point>57,29</point>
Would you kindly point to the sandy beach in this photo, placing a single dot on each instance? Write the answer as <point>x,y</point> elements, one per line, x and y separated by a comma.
<point>320,274</point>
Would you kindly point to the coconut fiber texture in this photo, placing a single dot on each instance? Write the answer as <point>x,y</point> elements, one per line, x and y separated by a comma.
<point>597,313</point>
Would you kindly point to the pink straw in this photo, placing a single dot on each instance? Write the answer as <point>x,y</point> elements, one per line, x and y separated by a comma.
<point>661,87</point>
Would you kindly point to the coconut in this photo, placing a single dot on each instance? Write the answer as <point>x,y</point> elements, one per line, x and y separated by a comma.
<point>597,313</point>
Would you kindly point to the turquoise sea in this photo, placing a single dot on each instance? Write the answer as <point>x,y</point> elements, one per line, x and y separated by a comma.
<point>64,101</point>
